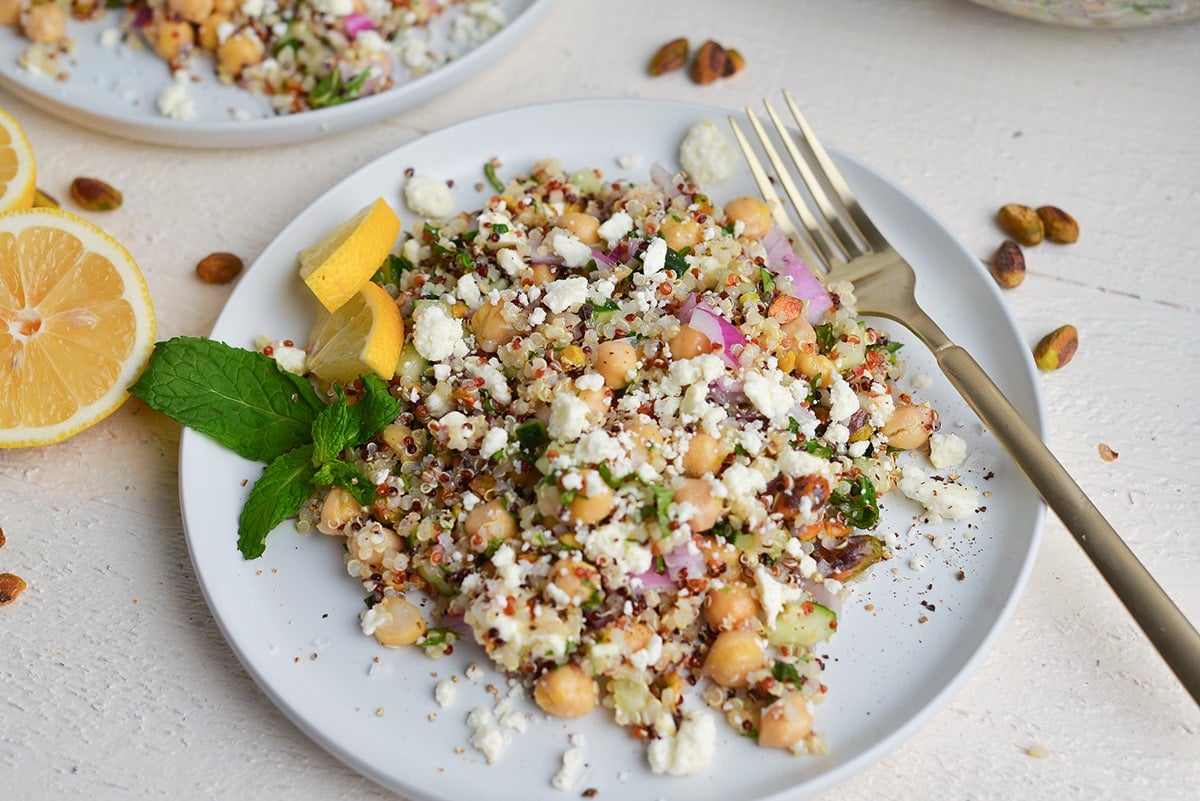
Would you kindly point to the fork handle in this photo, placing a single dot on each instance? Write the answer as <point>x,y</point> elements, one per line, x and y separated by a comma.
<point>1163,623</point>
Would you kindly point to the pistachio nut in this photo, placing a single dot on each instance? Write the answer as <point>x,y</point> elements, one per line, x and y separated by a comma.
<point>670,57</point>
<point>218,268</point>
<point>1059,226</point>
<point>1008,265</point>
<point>1056,348</point>
<point>95,195</point>
<point>711,62</point>
<point>1021,223</point>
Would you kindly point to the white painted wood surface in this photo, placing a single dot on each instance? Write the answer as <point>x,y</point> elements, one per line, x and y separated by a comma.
<point>114,680</point>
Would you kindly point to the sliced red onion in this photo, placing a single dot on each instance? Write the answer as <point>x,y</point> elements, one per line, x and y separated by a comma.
<point>726,391</point>
<point>663,178</point>
<point>782,260</point>
<point>603,258</point>
<point>682,561</point>
<point>719,331</point>
<point>357,23</point>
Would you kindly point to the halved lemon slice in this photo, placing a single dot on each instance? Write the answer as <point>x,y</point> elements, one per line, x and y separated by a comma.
<point>337,267</point>
<point>76,325</point>
<point>18,170</point>
<point>365,335</point>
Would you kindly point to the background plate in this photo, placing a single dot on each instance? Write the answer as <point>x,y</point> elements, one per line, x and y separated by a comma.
<point>908,638</point>
<point>113,89</point>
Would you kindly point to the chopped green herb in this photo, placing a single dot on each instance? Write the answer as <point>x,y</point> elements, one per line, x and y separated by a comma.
<point>390,271</point>
<point>532,438</point>
<point>676,261</point>
<point>782,671</point>
<point>767,280</point>
<point>818,448</point>
<point>860,505</point>
<point>826,338</point>
<point>489,172</point>
<point>331,90</point>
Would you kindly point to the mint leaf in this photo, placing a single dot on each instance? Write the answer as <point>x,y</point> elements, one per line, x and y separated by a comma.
<point>240,398</point>
<point>277,495</point>
<point>335,429</point>
<point>376,408</point>
<point>343,474</point>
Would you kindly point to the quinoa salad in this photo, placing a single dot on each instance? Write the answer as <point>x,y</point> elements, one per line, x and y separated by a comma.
<point>300,55</point>
<point>639,459</point>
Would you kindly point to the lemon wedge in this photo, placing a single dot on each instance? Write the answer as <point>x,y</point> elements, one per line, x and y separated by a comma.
<point>76,325</point>
<point>18,170</point>
<point>365,335</point>
<point>340,264</point>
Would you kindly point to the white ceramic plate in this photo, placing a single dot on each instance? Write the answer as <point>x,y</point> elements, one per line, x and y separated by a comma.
<point>907,639</point>
<point>113,89</point>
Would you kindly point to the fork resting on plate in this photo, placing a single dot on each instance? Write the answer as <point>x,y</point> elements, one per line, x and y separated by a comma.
<point>847,246</point>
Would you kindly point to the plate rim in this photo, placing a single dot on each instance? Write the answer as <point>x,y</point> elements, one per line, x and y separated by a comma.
<point>280,129</point>
<point>821,782</point>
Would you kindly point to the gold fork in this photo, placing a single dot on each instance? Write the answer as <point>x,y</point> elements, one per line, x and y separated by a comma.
<point>848,247</point>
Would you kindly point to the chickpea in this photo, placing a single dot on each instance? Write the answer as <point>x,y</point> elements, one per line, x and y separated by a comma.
<point>909,426</point>
<point>541,274</point>
<point>815,365</point>
<point>704,454</point>
<point>171,38</point>
<point>405,627</point>
<point>242,49</point>
<point>615,360</point>
<point>699,493</point>
<point>634,636</point>
<point>647,445</point>
<point>195,11</point>
<point>752,213</point>
<point>591,508</point>
<point>733,656</point>
<point>800,331</point>
<point>10,12</point>
<point>584,226</point>
<point>785,723</point>
<point>717,553</point>
<point>396,437</point>
<point>681,234</point>
<point>490,328</point>
<point>577,579</point>
<point>598,401</point>
<point>45,23</point>
<point>689,343</point>
<point>732,606</point>
<point>489,522</point>
<point>208,32</point>
<point>371,544</point>
<point>225,6</point>
<point>338,509</point>
<point>565,692</point>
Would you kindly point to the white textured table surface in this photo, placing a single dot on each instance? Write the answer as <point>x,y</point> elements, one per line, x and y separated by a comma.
<point>114,680</point>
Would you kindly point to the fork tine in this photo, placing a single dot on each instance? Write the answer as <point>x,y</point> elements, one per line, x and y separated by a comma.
<point>846,240</point>
<point>827,248</point>
<point>870,234</point>
<point>767,188</point>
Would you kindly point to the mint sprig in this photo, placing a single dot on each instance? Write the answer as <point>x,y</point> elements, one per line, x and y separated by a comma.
<point>241,399</point>
<point>245,402</point>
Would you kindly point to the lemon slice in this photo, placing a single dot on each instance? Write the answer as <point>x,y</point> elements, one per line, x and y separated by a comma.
<point>76,325</point>
<point>337,267</point>
<point>18,170</point>
<point>365,335</point>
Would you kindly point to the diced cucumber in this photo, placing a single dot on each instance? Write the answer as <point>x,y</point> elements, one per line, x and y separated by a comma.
<point>803,624</point>
<point>411,364</point>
